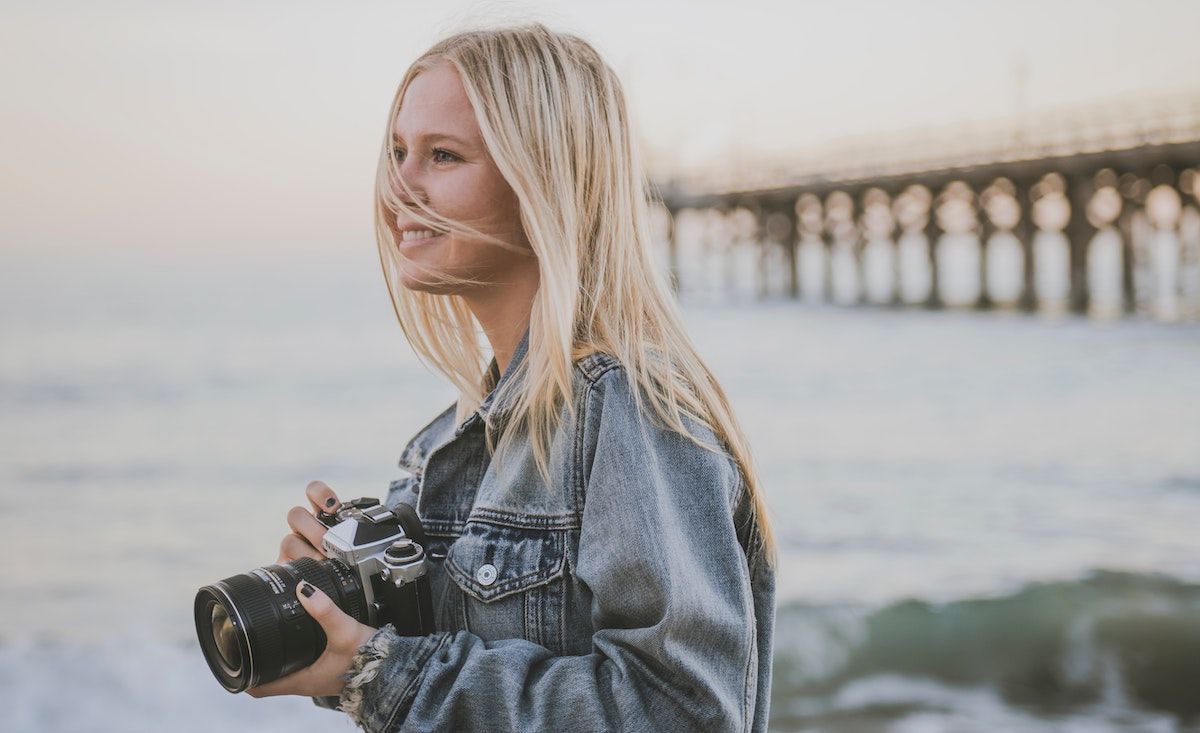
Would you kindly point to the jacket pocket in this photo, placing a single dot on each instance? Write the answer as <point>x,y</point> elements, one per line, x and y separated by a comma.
<point>512,581</point>
<point>491,561</point>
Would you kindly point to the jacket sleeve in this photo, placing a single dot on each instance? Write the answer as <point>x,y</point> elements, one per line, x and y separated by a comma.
<point>674,642</point>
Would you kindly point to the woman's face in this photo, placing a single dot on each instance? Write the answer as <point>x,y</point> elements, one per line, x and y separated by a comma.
<point>441,156</point>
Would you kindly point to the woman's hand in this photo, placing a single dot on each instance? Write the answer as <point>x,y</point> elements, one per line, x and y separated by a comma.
<point>343,637</point>
<point>307,532</point>
<point>343,634</point>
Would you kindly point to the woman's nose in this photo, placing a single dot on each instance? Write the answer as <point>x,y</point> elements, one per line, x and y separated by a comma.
<point>408,182</point>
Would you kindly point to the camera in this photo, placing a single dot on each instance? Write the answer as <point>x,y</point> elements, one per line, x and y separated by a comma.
<point>252,628</point>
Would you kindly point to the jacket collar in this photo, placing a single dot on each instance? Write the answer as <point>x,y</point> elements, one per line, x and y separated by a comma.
<point>490,406</point>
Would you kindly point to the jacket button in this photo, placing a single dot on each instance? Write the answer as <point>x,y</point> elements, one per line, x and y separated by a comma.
<point>486,574</point>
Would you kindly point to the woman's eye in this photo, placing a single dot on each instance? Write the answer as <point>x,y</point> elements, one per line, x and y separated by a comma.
<point>398,155</point>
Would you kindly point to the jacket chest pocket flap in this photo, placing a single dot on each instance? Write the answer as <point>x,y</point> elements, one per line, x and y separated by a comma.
<point>491,561</point>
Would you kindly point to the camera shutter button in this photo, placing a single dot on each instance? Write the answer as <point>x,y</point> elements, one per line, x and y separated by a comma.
<point>486,574</point>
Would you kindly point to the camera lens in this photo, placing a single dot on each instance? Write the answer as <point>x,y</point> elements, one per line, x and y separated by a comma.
<point>252,628</point>
<point>224,634</point>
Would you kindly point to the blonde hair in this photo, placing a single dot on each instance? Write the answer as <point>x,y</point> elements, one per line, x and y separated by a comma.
<point>553,117</point>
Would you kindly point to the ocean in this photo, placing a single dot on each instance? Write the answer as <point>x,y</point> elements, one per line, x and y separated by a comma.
<point>988,521</point>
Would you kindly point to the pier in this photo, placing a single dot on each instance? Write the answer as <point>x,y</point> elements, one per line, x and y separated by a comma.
<point>1092,211</point>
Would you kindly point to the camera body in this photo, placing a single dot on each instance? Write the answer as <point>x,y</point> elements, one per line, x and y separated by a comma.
<point>252,627</point>
<point>372,541</point>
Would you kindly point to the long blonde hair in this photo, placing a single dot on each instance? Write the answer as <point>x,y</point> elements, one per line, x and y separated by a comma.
<point>553,117</point>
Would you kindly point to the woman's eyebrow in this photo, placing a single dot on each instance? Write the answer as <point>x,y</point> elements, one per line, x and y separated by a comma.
<point>435,136</point>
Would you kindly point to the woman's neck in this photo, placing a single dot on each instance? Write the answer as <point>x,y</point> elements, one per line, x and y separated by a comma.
<point>503,311</point>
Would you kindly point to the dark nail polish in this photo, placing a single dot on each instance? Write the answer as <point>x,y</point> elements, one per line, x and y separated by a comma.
<point>307,590</point>
<point>330,502</point>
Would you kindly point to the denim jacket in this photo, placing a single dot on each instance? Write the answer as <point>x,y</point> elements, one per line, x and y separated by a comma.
<point>619,596</point>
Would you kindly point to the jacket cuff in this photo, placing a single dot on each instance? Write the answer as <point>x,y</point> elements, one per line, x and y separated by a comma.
<point>384,675</point>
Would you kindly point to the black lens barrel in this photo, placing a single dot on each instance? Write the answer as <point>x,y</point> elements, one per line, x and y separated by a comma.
<point>275,636</point>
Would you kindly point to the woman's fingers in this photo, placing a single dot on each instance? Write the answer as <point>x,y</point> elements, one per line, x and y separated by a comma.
<point>321,497</point>
<point>307,532</point>
<point>294,546</point>
<point>306,525</point>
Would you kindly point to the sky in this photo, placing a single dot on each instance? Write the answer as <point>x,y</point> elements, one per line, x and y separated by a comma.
<point>162,129</point>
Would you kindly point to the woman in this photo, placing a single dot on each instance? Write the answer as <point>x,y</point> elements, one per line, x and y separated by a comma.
<point>600,554</point>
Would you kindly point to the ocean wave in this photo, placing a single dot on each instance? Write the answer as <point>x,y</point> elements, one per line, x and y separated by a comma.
<point>1113,648</point>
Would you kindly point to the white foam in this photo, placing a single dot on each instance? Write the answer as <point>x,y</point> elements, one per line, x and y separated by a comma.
<point>134,685</point>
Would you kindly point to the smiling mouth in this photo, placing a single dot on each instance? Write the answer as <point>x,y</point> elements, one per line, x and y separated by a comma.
<point>414,238</point>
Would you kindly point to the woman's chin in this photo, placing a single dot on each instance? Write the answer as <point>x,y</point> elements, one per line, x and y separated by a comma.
<point>423,282</point>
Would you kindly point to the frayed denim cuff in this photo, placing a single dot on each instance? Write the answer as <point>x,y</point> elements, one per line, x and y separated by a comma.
<point>383,677</point>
